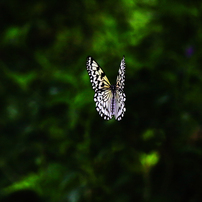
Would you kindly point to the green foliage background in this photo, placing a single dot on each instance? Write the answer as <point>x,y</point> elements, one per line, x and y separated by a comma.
<point>52,139</point>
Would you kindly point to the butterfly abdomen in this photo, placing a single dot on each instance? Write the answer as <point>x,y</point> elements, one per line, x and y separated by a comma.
<point>113,89</point>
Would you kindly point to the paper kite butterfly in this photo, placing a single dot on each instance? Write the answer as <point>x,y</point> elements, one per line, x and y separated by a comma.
<point>109,99</point>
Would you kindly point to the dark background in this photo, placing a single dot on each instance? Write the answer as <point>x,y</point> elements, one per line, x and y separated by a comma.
<point>53,144</point>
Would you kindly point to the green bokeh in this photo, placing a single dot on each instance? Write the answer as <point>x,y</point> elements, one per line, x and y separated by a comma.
<point>53,142</point>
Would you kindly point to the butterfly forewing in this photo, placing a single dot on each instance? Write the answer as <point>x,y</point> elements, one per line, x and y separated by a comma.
<point>97,76</point>
<point>120,81</point>
<point>105,96</point>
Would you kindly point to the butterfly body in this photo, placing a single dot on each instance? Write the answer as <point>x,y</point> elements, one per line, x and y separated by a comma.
<point>109,99</point>
<point>113,89</point>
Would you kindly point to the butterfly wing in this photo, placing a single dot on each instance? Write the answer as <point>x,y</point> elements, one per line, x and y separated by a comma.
<point>120,81</point>
<point>97,76</point>
<point>100,83</point>
<point>120,96</point>
<point>120,109</point>
<point>103,99</point>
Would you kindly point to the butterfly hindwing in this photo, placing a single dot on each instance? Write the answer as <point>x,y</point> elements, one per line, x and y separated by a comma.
<point>103,99</point>
<point>109,99</point>
<point>120,105</point>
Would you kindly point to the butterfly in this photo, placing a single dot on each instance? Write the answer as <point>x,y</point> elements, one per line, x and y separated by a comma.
<point>109,99</point>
